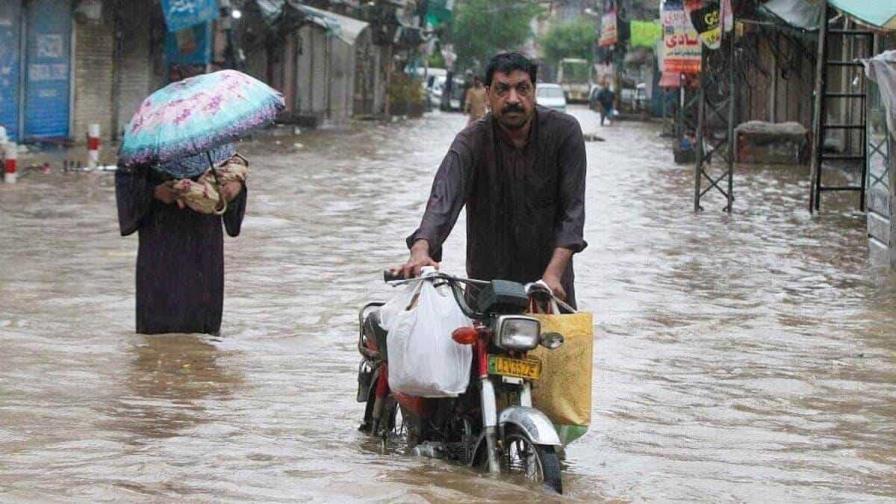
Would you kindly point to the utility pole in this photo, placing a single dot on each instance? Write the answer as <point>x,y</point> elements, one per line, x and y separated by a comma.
<point>227,16</point>
<point>450,57</point>
<point>117,57</point>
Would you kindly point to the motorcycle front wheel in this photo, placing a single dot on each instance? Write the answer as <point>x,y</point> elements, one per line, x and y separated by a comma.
<point>537,463</point>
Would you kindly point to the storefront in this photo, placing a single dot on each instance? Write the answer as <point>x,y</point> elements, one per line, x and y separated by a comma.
<point>10,66</point>
<point>35,69</point>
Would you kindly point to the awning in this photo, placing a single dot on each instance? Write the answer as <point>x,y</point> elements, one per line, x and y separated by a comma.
<point>802,14</point>
<point>673,80</point>
<point>439,12</point>
<point>344,27</point>
<point>271,10</point>
<point>880,14</point>
<point>290,13</point>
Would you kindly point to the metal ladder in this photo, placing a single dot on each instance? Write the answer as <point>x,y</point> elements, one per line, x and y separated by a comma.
<point>823,95</point>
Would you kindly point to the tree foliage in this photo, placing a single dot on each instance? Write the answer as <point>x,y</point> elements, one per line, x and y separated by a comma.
<point>482,28</point>
<point>574,39</point>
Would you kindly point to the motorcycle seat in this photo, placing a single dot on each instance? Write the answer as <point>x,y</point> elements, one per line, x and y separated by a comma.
<point>374,330</point>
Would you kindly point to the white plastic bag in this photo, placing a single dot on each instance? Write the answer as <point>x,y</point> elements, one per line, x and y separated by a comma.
<point>399,303</point>
<point>423,359</point>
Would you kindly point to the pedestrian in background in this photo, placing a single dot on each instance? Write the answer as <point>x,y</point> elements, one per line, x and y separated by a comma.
<point>468,83</point>
<point>605,98</point>
<point>476,101</point>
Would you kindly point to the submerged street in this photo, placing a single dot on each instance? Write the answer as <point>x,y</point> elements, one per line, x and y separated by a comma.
<point>748,357</point>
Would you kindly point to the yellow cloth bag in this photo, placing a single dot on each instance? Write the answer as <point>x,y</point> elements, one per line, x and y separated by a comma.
<point>203,195</point>
<point>564,391</point>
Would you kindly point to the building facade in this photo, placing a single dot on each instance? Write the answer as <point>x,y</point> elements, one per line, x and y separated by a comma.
<point>65,65</point>
<point>331,65</point>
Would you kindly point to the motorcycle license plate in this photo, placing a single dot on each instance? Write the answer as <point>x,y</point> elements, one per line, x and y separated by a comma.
<point>529,369</point>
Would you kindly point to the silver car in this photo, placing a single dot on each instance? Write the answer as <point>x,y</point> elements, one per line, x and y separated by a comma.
<point>550,96</point>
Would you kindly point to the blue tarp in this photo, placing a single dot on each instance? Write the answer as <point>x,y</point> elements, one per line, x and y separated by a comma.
<point>9,67</point>
<point>181,14</point>
<point>189,47</point>
<point>48,70</point>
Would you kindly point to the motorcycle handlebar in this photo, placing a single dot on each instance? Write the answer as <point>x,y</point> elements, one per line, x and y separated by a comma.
<point>394,278</point>
<point>391,276</point>
<point>535,288</point>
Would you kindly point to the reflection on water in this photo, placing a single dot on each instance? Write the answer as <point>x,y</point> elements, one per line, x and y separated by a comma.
<point>169,379</point>
<point>745,358</point>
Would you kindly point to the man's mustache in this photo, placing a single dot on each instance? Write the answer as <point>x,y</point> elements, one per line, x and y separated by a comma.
<point>513,107</point>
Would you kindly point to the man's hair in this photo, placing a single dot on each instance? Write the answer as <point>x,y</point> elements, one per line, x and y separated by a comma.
<point>508,62</point>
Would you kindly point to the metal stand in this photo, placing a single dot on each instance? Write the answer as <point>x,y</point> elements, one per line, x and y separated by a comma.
<point>716,101</point>
<point>686,110</point>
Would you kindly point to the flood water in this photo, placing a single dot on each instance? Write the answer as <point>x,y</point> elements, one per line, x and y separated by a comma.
<point>742,358</point>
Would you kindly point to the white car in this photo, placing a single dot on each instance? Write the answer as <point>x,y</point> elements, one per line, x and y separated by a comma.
<point>438,85</point>
<point>550,96</point>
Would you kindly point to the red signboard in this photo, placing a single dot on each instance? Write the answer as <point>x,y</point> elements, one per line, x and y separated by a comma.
<point>681,45</point>
<point>609,34</point>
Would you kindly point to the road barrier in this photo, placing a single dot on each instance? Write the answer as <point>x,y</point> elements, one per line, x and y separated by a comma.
<point>11,156</point>
<point>93,146</point>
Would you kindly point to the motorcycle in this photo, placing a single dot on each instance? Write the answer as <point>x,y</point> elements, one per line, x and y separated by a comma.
<point>492,425</point>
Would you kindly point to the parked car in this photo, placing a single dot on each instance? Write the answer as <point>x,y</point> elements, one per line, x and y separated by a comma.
<point>551,96</point>
<point>434,90</point>
<point>431,80</point>
<point>457,93</point>
<point>592,98</point>
<point>634,99</point>
<point>427,73</point>
<point>436,87</point>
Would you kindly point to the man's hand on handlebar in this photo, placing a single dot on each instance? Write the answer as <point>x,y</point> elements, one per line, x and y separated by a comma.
<point>555,270</point>
<point>418,259</point>
<point>555,285</point>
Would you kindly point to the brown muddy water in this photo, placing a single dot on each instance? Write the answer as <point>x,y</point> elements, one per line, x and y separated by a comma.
<point>747,358</point>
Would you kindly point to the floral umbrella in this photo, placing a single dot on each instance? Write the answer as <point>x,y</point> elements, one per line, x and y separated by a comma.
<point>197,117</point>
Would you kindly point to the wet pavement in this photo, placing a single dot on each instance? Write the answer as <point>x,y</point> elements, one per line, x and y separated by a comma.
<point>743,358</point>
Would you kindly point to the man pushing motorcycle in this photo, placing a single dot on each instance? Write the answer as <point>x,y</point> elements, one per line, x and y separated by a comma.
<point>520,171</point>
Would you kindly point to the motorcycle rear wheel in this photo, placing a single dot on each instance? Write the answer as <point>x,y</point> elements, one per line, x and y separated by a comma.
<point>537,463</point>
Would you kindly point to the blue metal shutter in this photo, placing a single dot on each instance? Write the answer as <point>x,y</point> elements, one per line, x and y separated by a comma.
<point>49,27</point>
<point>10,39</point>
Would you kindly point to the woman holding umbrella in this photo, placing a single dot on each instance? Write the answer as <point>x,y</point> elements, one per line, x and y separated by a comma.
<point>184,132</point>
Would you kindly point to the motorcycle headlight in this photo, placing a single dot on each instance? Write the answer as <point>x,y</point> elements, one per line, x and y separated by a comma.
<point>517,332</point>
